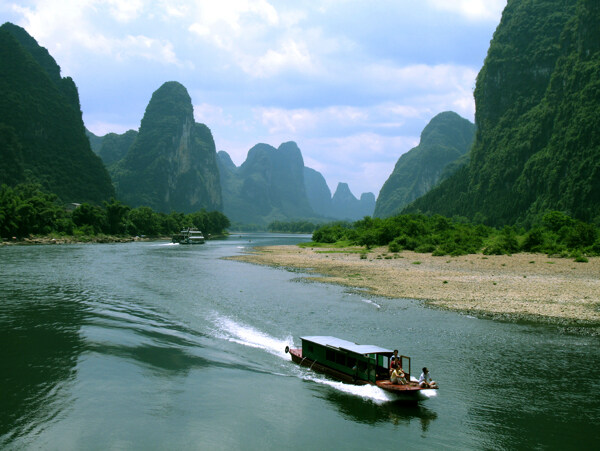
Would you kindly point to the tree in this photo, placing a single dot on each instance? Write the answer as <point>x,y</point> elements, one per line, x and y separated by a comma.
<point>116,214</point>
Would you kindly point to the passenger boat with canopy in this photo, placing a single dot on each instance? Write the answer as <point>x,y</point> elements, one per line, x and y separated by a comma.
<point>357,364</point>
<point>189,236</point>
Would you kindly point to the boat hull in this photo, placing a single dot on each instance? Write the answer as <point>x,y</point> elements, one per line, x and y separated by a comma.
<point>409,392</point>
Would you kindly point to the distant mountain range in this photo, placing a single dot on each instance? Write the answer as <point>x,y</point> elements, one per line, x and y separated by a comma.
<point>535,147</point>
<point>274,185</point>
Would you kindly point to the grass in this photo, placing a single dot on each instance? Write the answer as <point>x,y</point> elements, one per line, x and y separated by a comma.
<point>339,244</point>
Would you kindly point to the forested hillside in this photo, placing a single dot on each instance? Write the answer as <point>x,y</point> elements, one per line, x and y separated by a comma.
<point>444,140</point>
<point>537,145</point>
<point>268,186</point>
<point>172,163</point>
<point>42,136</point>
<point>112,147</point>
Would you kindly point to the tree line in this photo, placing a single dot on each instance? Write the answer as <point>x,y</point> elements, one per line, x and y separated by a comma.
<point>556,234</point>
<point>28,210</point>
<point>292,227</point>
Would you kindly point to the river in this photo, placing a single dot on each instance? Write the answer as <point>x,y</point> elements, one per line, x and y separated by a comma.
<point>150,345</point>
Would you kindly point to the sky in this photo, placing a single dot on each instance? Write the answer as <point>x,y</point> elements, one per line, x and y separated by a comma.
<point>352,82</point>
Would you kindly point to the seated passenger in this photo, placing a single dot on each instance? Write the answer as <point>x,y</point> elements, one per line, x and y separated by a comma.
<point>425,380</point>
<point>398,376</point>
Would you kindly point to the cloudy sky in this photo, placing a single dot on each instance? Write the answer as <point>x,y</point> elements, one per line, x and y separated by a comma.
<point>352,82</point>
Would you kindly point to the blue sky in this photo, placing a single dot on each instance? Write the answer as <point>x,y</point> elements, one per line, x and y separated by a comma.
<point>353,83</point>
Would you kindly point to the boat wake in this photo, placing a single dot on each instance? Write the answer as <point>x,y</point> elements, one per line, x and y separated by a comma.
<point>368,392</point>
<point>228,329</point>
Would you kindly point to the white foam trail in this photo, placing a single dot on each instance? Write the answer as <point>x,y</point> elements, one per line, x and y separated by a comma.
<point>369,392</point>
<point>429,393</point>
<point>233,331</point>
<point>368,301</point>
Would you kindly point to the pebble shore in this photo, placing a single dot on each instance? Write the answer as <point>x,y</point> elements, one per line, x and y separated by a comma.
<point>517,287</point>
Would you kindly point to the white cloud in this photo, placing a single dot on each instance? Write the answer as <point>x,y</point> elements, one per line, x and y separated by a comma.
<point>488,10</point>
<point>101,128</point>
<point>211,115</point>
<point>373,158</point>
<point>125,11</point>
<point>439,77</point>
<point>70,30</point>
<point>291,55</point>
<point>304,120</point>
<point>231,16</point>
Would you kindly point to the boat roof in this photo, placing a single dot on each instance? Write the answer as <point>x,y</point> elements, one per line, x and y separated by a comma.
<point>345,345</point>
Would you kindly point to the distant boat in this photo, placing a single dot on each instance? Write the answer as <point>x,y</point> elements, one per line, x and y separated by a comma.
<point>356,364</point>
<point>189,236</point>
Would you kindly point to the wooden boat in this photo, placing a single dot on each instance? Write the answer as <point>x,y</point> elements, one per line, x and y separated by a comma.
<point>356,364</point>
<point>189,236</point>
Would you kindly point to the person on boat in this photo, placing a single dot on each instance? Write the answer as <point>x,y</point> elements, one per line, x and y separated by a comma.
<point>398,376</point>
<point>425,380</point>
<point>394,360</point>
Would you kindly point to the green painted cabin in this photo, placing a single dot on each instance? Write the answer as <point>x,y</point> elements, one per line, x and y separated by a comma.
<point>361,362</point>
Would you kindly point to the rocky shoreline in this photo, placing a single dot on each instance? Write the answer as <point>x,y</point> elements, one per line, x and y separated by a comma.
<point>49,240</point>
<point>530,287</point>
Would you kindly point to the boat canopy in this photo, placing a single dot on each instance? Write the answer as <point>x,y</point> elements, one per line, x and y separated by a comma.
<point>345,345</point>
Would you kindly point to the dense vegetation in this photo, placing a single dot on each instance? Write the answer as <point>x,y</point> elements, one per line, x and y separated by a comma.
<point>28,210</point>
<point>268,186</point>
<point>557,234</point>
<point>42,137</point>
<point>292,227</point>
<point>537,145</point>
<point>446,139</point>
<point>171,163</point>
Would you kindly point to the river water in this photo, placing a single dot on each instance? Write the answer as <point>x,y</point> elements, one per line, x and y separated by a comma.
<point>161,346</point>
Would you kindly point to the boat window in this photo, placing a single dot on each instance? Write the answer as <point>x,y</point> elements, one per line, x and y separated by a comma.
<point>340,359</point>
<point>350,362</point>
<point>330,355</point>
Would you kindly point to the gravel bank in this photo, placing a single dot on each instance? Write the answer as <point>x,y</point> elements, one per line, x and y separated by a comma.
<point>521,286</point>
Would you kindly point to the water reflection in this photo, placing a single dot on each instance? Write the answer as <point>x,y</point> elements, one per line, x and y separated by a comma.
<point>41,344</point>
<point>160,359</point>
<point>366,411</point>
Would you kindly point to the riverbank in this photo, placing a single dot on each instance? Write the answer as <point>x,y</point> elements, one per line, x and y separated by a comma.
<point>518,287</point>
<point>71,239</point>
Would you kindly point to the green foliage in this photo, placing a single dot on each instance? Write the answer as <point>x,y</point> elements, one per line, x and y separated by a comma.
<point>28,210</point>
<point>537,146</point>
<point>557,235</point>
<point>171,164</point>
<point>268,187</point>
<point>332,233</point>
<point>446,139</point>
<point>292,227</point>
<point>42,137</point>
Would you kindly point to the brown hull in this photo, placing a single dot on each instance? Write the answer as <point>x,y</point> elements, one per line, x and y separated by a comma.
<point>408,391</point>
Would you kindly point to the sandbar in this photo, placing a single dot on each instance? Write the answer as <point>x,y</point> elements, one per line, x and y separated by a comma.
<point>512,287</point>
